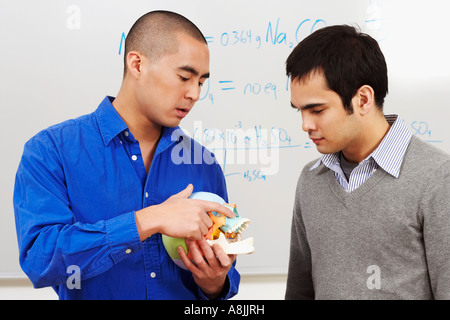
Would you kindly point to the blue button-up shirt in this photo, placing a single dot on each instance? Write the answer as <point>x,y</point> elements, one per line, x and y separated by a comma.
<point>77,188</point>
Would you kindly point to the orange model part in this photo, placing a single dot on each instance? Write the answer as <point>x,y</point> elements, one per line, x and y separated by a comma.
<point>214,231</point>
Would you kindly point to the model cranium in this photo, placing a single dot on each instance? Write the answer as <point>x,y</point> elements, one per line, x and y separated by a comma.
<point>225,231</point>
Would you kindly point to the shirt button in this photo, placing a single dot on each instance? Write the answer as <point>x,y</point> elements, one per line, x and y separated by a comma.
<point>126,133</point>
<point>146,194</point>
<point>152,274</point>
<point>134,157</point>
<point>128,251</point>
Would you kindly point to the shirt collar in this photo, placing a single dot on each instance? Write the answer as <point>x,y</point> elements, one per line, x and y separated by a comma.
<point>169,136</point>
<point>388,155</point>
<point>109,121</point>
<point>111,124</point>
<point>391,151</point>
<point>329,160</point>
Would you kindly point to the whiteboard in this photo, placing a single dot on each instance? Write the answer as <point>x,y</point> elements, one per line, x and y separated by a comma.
<point>58,60</point>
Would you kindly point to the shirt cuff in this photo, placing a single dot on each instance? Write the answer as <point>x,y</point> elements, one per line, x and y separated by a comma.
<point>224,295</point>
<point>123,236</point>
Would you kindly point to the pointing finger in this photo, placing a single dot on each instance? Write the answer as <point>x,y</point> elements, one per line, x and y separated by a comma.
<point>214,206</point>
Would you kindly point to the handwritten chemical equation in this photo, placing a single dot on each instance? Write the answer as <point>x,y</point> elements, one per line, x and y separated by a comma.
<point>253,146</point>
<point>275,34</point>
<point>251,137</point>
<point>422,129</point>
<point>270,89</point>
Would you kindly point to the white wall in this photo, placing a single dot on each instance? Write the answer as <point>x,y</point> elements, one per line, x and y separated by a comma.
<point>262,287</point>
<point>252,288</point>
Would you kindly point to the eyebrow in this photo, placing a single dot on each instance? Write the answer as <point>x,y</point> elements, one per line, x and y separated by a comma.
<point>308,106</point>
<point>193,71</point>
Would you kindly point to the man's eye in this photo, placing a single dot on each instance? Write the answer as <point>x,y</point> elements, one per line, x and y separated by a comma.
<point>183,79</point>
<point>317,111</point>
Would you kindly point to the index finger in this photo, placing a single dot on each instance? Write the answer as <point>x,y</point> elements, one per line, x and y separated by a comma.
<point>214,206</point>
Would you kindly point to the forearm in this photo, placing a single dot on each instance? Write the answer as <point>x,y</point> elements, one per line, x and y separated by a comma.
<point>147,222</point>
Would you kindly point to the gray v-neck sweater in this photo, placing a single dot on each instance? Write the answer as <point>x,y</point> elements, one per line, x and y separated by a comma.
<point>388,239</point>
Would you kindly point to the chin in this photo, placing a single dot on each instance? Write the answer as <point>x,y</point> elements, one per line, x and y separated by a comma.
<point>171,123</point>
<point>325,150</point>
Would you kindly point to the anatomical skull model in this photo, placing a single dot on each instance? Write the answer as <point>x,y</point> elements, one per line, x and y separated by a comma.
<point>225,231</point>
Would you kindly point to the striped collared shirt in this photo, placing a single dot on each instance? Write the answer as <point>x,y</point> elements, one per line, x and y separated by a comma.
<point>387,156</point>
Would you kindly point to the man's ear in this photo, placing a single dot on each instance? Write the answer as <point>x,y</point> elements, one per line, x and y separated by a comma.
<point>134,61</point>
<point>364,100</point>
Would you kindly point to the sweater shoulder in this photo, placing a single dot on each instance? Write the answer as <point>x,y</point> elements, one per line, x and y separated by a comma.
<point>307,169</point>
<point>309,165</point>
<point>421,154</point>
<point>308,177</point>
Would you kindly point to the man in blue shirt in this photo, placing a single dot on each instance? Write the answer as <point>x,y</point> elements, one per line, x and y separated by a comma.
<point>93,195</point>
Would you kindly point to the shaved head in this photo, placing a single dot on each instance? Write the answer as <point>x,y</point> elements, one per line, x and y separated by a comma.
<point>155,34</point>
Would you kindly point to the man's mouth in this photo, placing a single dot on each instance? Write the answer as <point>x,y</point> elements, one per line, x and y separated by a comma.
<point>182,112</point>
<point>316,140</point>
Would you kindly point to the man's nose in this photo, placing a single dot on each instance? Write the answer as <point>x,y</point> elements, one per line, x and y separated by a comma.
<point>193,92</point>
<point>307,123</point>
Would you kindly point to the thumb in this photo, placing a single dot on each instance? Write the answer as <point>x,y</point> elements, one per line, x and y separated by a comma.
<point>184,193</point>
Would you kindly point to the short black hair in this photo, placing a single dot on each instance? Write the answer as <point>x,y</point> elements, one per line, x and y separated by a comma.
<point>348,59</point>
<point>155,34</point>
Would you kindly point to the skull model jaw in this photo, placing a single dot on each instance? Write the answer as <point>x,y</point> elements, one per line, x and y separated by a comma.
<point>225,232</point>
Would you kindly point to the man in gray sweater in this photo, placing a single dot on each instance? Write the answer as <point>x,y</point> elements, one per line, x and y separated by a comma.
<point>371,217</point>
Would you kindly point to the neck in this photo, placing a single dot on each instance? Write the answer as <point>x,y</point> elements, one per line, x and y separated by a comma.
<point>373,132</point>
<point>142,129</point>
